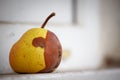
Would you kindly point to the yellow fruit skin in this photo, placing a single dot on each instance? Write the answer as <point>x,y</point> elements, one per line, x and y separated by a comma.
<point>24,57</point>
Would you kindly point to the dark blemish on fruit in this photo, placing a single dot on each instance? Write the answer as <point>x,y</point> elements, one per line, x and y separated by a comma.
<point>38,42</point>
<point>56,65</point>
<point>40,64</point>
<point>24,56</point>
<point>59,54</point>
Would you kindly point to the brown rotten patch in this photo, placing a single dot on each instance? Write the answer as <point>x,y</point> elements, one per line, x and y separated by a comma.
<point>52,50</point>
<point>38,42</point>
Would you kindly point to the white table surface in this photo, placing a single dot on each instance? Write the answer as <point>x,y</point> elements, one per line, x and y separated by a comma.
<point>105,74</point>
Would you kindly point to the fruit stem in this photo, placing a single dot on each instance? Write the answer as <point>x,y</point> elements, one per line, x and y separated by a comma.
<point>51,15</point>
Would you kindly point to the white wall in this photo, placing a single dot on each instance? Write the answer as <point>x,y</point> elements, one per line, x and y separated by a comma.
<point>35,10</point>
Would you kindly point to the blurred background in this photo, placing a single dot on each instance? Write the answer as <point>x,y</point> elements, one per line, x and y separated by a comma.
<point>89,30</point>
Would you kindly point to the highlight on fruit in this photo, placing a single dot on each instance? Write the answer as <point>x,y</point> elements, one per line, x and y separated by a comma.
<point>37,51</point>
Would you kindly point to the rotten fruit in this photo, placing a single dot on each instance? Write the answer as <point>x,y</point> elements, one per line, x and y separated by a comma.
<point>37,51</point>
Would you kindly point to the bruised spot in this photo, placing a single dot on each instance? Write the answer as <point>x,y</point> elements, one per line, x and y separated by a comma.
<point>53,52</point>
<point>56,65</point>
<point>38,42</point>
<point>59,53</point>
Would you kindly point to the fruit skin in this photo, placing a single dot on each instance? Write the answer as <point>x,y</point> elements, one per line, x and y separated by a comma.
<point>53,53</point>
<point>38,50</point>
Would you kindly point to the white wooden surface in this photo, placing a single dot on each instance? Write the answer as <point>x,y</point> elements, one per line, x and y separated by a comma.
<point>110,74</point>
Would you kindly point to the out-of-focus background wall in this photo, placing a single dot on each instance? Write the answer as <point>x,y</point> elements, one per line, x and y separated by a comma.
<point>89,30</point>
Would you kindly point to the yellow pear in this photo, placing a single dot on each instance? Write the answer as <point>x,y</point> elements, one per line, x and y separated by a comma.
<point>38,50</point>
